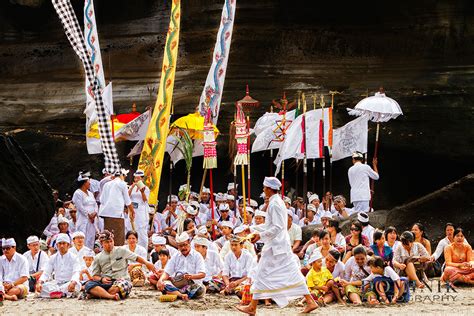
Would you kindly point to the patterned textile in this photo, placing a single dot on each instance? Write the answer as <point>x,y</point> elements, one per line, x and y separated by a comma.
<point>212,92</point>
<point>76,38</point>
<point>151,159</point>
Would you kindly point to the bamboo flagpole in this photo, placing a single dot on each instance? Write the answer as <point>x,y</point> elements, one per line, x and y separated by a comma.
<point>248,159</point>
<point>271,150</point>
<point>315,96</point>
<point>332,93</point>
<point>322,104</point>
<point>303,149</point>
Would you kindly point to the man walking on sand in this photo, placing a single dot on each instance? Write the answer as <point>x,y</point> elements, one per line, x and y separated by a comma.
<point>278,275</point>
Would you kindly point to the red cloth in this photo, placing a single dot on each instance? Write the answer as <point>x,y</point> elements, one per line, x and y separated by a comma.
<point>127,117</point>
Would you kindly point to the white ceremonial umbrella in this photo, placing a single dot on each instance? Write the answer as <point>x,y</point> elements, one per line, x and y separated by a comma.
<point>379,108</point>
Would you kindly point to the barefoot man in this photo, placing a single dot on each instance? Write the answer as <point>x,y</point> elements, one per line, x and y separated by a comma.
<point>278,275</point>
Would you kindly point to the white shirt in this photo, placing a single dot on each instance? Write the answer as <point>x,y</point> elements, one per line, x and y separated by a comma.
<point>340,241</point>
<point>387,272</point>
<point>395,245</point>
<point>113,198</point>
<point>193,263</point>
<point>295,233</point>
<point>352,271</point>
<point>368,231</point>
<point>338,269</point>
<point>65,268</point>
<point>140,251</point>
<point>359,175</point>
<point>214,264</point>
<point>238,267</point>
<point>33,262</point>
<point>80,254</point>
<point>10,271</point>
<point>95,185</point>
<point>52,228</point>
<point>315,221</point>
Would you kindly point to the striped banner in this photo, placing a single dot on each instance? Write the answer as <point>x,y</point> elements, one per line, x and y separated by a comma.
<point>76,38</point>
<point>151,159</point>
<point>93,49</point>
<point>212,92</point>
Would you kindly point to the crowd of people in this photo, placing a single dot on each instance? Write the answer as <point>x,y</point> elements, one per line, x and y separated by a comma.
<point>107,239</point>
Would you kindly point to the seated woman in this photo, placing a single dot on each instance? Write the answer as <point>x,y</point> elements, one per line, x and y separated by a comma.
<point>355,239</point>
<point>384,279</point>
<point>418,230</point>
<point>391,238</point>
<point>356,270</point>
<point>459,261</point>
<point>380,249</point>
<point>326,246</point>
<point>443,243</point>
<point>336,267</point>
<point>410,257</point>
<point>337,239</point>
<point>135,269</point>
<point>160,264</point>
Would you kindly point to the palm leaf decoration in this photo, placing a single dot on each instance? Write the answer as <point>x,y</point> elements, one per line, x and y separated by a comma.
<point>185,146</point>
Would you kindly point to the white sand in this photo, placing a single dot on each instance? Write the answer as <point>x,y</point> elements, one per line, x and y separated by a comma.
<point>142,302</point>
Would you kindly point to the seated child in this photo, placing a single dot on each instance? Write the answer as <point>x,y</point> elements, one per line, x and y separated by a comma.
<point>319,280</point>
<point>160,264</point>
<point>384,279</point>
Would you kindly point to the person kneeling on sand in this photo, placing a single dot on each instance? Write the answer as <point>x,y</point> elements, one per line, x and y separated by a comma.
<point>65,267</point>
<point>184,273</point>
<point>110,277</point>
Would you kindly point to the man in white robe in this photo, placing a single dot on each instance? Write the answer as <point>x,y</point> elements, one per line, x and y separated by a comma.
<point>278,275</point>
<point>359,179</point>
<point>65,268</point>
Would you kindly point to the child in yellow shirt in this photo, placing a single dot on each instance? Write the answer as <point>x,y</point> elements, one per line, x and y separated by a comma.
<point>319,280</point>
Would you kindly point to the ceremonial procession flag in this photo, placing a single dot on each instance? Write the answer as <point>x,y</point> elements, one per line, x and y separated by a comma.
<point>135,129</point>
<point>76,38</point>
<point>212,92</point>
<point>315,142</point>
<point>93,49</point>
<point>269,130</point>
<point>349,138</point>
<point>151,159</point>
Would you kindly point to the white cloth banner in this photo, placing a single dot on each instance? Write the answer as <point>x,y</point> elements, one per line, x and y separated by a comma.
<point>267,129</point>
<point>212,92</point>
<point>175,154</point>
<point>315,130</point>
<point>135,129</point>
<point>269,119</point>
<point>349,138</point>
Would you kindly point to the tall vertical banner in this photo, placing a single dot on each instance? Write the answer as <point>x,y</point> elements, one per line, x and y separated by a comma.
<point>151,159</point>
<point>212,92</point>
<point>75,36</point>
<point>93,49</point>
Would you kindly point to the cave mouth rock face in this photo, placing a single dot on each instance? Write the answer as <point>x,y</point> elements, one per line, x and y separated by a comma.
<point>421,52</point>
<point>27,204</point>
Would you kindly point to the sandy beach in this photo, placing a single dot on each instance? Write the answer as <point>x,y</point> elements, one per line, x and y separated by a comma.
<point>146,302</point>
